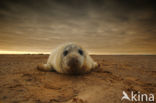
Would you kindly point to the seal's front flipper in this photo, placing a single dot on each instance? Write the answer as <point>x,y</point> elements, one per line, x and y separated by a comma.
<point>45,67</point>
<point>95,65</point>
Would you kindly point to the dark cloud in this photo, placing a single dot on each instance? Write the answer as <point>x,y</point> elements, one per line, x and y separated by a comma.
<point>103,26</point>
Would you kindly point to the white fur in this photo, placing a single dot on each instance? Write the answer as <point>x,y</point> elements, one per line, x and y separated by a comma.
<point>54,60</point>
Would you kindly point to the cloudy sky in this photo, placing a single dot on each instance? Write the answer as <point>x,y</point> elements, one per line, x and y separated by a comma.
<point>101,26</point>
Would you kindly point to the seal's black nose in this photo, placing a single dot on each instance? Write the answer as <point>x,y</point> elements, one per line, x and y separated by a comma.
<point>73,62</point>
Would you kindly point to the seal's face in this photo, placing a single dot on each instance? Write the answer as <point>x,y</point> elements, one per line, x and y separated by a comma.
<point>73,59</point>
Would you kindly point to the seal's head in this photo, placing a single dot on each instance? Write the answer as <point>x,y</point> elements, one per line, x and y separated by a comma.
<point>73,57</point>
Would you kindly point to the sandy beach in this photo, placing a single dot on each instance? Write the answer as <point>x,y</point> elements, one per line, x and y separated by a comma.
<point>21,82</point>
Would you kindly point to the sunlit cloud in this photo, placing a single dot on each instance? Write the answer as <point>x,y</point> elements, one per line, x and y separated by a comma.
<point>102,27</point>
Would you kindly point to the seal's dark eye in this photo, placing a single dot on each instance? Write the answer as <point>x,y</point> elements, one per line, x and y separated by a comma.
<point>65,52</point>
<point>80,52</point>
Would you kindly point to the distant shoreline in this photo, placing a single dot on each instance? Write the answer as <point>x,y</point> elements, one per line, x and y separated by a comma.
<point>95,54</point>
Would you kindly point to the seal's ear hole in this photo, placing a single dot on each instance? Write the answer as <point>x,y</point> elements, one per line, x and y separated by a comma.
<point>80,52</point>
<point>65,52</point>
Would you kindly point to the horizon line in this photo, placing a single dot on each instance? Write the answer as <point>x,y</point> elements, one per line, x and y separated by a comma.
<point>91,53</point>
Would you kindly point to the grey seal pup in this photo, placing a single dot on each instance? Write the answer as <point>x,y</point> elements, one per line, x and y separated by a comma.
<point>69,58</point>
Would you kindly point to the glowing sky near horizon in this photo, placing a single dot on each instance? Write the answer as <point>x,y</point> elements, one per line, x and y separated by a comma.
<point>101,26</point>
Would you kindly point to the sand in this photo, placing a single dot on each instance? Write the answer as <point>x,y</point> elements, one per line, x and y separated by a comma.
<point>21,82</point>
